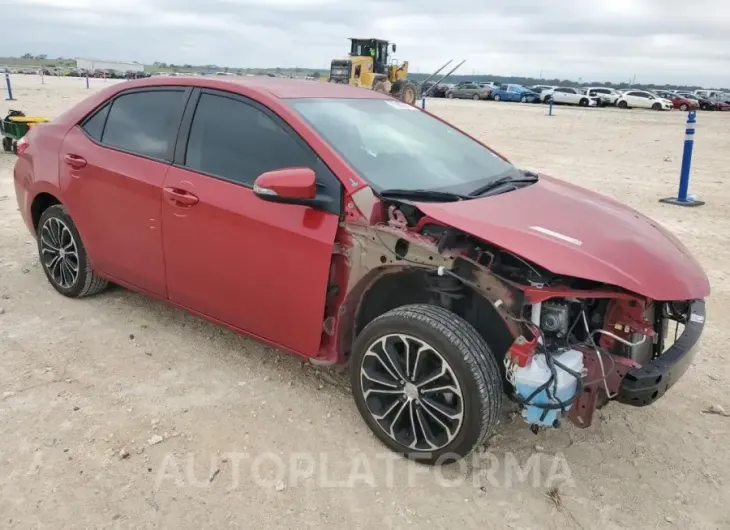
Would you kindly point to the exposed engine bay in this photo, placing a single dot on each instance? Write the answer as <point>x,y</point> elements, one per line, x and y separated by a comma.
<point>572,340</point>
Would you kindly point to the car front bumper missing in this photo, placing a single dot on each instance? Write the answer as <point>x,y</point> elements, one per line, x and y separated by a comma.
<point>643,386</point>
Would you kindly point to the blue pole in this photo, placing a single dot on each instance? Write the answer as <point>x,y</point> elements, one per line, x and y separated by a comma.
<point>689,139</point>
<point>10,89</point>
<point>87,80</point>
<point>550,111</point>
<point>423,102</point>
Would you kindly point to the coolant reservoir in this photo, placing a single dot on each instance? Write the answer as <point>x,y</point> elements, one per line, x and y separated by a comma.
<point>536,373</point>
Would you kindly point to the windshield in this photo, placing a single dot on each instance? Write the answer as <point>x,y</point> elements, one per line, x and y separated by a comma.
<point>394,145</point>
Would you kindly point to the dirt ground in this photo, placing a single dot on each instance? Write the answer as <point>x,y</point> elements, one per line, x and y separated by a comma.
<point>119,412</point>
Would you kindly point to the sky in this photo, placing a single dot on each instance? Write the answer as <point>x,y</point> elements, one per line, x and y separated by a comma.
<point>657,41</point>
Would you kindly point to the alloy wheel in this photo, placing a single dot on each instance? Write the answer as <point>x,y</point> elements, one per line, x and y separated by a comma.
<point>411,392</point>
<point>59,252</point>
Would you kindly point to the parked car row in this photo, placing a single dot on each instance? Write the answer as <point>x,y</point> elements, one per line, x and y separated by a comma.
<point>79,72</point>
<point>583,96</point>
<point>626,99</point>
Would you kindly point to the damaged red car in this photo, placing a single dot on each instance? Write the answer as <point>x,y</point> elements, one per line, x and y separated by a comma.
<point>345,226</point>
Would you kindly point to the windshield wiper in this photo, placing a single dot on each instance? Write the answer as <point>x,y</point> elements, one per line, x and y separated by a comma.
<point>419,194</point>
<point>524,178</point>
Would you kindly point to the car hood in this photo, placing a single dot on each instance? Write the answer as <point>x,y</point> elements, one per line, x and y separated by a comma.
<point>575,232</point>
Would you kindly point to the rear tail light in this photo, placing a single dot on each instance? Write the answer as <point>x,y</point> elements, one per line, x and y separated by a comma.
<point>22,145</point>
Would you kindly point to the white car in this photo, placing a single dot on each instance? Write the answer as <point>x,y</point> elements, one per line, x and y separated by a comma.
<point>606,95</point>
<point>643,99</point>
<point>569,96</point>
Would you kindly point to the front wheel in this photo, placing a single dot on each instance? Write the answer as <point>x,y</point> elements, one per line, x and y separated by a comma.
<point>656,106</point>
<point>623,105</point>
<point>583,102</point>
<point>63,256</point>
<point>497,97</point>
<point>450,95</point>
<point>426,383</point>
<point>683,107</point>
<point>523,99</point>
<point>7,143</point>
<point>475,97</point>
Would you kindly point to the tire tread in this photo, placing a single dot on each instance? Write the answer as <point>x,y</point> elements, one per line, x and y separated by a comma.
<point>475,352</point>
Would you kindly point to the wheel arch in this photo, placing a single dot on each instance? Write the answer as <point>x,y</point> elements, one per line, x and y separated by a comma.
<point>40,203</point>
<point>388,287</point>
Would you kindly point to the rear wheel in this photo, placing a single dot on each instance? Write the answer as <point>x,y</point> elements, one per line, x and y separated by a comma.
<point>523,99</point>
<point>683,106</point>
<point>7,143</point>
<point>475,97</point>
<point>63,256</point>
<point>583,102</point>
<point>450,95</point>
<point>380,86</point>
<point>497,97</point>
<point>426,383</point>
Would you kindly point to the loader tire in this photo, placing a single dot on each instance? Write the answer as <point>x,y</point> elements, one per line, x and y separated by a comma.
<point>406,91</point>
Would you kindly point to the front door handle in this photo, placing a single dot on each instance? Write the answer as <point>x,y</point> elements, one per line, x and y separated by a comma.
<point>75,161</point>
<point>180,197</point>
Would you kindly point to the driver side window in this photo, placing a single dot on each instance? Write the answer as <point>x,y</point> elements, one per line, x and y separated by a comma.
<point>237,141</point>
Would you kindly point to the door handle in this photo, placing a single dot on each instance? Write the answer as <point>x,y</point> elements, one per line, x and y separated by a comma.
<point>75,161</point>
<point>180,197</point>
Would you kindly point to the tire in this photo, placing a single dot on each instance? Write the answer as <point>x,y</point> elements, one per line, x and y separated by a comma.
<point>656,106</point>
<point>497,97</point>
<point>475,97</point>
<point>7,143</point>
<point>379,86</point>
<point>450,95</point>
<point>523,99</point>
<point>453,347</point>
<point>583,102</point>
<point>683,107</point>
<point>56,226</point>
<point>622,105</point>
<point>547,100</point>
<point>406,91</point>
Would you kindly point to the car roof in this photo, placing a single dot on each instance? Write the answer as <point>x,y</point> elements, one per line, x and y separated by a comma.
<point>280,87</point>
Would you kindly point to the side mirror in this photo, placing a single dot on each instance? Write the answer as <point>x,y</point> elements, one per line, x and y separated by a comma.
<point>292,185</point>
<point>394,47</point>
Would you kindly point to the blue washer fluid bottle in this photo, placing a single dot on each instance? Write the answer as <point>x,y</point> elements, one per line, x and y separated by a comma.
<point>536,373</point>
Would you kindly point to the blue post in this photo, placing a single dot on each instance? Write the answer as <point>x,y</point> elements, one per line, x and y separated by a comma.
<point>87,79</point>
<point>10,89</point>
<point>689,139</point>
<point>550,110</point>
<point>423,102</point>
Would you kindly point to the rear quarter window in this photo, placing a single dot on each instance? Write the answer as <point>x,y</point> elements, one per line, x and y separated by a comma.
<point>94,124</point>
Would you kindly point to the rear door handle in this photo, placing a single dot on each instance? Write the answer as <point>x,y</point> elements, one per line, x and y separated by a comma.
<point>180,197</point>
<point>75,161</point>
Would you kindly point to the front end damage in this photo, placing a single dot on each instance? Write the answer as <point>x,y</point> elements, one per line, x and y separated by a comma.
<point>630,349</point>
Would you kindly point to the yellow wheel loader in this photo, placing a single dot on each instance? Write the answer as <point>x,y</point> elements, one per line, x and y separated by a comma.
<point>369,66</point>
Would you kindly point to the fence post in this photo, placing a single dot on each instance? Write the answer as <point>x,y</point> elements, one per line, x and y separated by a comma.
<point>10,89</point>
<point>87,79</point>
<point>550,109</point>
<point>689,139</point>
<point>423,102</point>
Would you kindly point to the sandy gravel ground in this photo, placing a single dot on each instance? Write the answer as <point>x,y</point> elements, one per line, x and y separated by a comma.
<point>119,412</point>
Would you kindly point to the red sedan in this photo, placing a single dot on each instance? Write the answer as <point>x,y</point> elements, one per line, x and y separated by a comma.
<point>678,101</point>
<point>345,226</point>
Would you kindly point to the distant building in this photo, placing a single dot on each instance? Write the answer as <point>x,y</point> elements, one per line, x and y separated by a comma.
<point>94,64</point>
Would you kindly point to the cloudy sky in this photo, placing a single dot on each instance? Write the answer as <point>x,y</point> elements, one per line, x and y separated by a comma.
<point>661,41</point>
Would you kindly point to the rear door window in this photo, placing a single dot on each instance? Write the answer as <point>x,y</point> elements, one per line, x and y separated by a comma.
<point>145,123</point>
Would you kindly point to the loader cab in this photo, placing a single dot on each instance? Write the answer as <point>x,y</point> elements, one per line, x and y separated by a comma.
<point>366,47</point>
